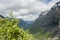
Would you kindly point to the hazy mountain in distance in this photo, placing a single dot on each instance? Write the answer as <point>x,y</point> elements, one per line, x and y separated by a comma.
<point>1,16</point>
<point>23,23</point>
<point>29,22</point>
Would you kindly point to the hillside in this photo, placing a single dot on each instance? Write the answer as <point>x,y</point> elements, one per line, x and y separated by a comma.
<point>23,23</point>
<point>29,22</point>
<point>48,21</point>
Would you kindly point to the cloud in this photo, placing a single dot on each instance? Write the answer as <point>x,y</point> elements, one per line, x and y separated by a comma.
<point>25,9</point>
<point>28,17</point>
<point>52,3</point>
<point>45,1</point>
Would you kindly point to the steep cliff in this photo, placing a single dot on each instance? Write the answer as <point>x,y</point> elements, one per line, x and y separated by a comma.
<point>48,21</point>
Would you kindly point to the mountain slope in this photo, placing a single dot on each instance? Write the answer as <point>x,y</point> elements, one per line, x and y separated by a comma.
<point>46,22</point>
<point>1,16</point>
<point>23,24</point>
<point>29,22</point>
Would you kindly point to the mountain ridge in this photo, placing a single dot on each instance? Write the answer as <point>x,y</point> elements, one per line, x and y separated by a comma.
<point>48,21</point>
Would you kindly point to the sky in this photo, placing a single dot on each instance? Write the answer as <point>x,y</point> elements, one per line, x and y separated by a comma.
<point>27,10</point>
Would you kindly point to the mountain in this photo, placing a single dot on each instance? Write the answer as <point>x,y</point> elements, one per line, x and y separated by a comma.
<point>23,24</point>
<point>29,22</point>
<point>48,21</point>
<point>1,16</point>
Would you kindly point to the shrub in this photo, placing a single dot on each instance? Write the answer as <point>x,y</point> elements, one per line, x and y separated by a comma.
<point>9,30</point>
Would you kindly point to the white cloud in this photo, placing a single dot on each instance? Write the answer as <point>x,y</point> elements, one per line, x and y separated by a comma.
<point>39,6</point>
<point>52,3</point>
<point>28,17</point>
<point>25,8</point>
<point>23,11</point>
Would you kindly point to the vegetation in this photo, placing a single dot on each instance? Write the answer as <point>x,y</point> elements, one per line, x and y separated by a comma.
<point>9,30</point>
<point>44,36</point>
<point>59,39</point>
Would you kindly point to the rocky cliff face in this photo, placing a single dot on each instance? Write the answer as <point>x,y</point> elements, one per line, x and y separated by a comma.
<point>47,22</point>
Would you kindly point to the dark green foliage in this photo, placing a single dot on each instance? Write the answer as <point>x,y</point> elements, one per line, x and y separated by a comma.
<point>59,39</point>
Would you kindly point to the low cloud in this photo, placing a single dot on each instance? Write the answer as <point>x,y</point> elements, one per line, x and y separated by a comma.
<point>25,9</point>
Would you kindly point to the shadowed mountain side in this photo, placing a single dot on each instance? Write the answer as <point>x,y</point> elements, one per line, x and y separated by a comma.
<point>48,21</point>
<point>1,16</point>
